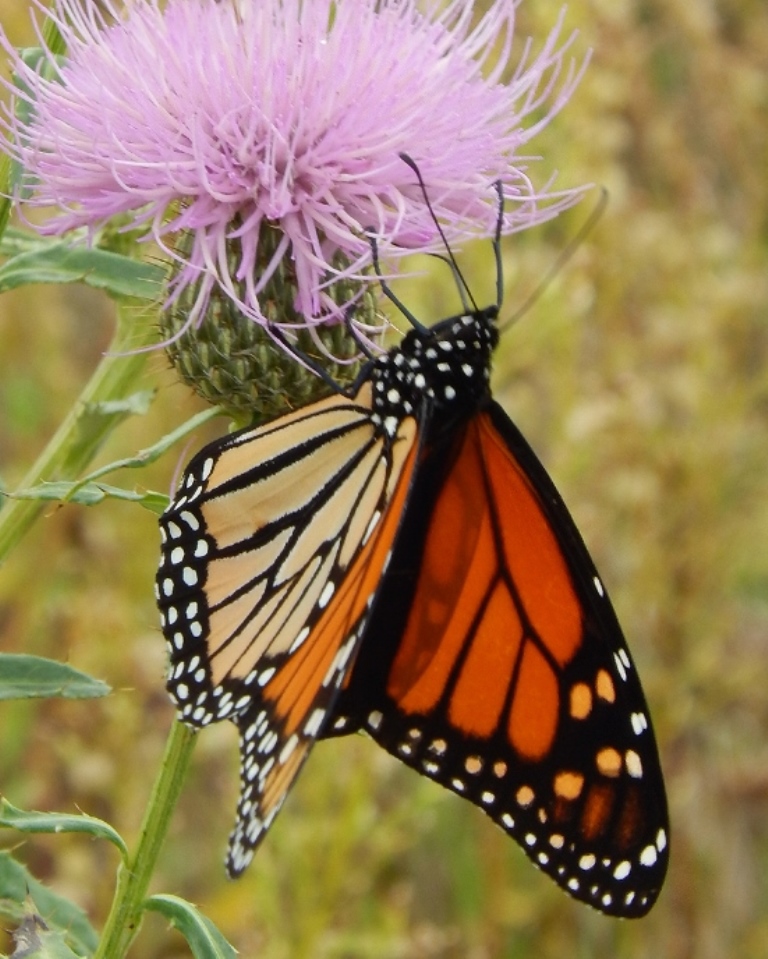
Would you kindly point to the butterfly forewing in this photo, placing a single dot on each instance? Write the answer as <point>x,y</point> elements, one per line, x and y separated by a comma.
<point>510,682</point>
<point>272,551</point>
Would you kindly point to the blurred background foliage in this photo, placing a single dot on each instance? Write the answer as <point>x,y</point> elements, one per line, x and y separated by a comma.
<point>641,378</point>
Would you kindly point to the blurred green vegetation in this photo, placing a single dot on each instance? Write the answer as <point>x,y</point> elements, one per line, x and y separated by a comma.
<point>641,377</point>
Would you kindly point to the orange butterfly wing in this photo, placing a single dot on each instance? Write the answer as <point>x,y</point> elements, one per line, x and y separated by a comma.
<point>501,672</point>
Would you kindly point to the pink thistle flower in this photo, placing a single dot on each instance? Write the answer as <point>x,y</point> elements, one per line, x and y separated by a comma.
<point>218,121</point>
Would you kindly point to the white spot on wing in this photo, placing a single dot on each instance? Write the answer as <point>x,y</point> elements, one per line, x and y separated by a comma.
<point>624,657</point>
<point>190,519</point>
<point>325,597</point>
<point>633,764</point>
<point>288,748</point>
<point>315,721</point>
<point>302,635</point>
<point>598,586</point>
<point>639,723</point>
<point>622,870</point>
<point>648,856</point>
<point>620,668</point>
<point>371,526</point>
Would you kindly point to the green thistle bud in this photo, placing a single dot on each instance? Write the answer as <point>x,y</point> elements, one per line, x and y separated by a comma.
<point>232,361</point>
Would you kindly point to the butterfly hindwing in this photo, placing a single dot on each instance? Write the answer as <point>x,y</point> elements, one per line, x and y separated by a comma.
<point>501,671</point>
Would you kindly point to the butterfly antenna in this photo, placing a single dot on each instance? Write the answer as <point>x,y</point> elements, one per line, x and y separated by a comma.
<point>560,260</point>
<point>461,283</point>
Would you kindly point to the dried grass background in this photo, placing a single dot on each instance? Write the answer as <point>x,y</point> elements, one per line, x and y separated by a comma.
<point>641,378</point>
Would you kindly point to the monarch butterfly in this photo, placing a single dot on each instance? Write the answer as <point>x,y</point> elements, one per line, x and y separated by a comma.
<point>396,560</point>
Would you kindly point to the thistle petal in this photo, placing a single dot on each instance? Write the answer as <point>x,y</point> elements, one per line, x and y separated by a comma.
<point>220,120</point>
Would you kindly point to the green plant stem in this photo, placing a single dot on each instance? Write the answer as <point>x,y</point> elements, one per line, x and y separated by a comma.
<point>124,919</point>
<point>87,425</point>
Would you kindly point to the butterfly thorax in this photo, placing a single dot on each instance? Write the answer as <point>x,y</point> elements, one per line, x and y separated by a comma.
<point>445,368</point>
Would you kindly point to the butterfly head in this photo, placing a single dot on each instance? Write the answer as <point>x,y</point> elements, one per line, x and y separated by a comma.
<point>445,367</point>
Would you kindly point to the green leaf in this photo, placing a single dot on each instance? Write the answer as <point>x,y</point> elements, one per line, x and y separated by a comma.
<point>34,940</point>
<point>56,822</point>
<point>58,913</point>
<point>152,453</point>
<point>136,404</point>
<point>87,492</point>
<point>62,262</point>
<point>205,940</point>
<point>90,494</point>
<point>27,677</point>
<point>97,420</point>
<point>16,240</point>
